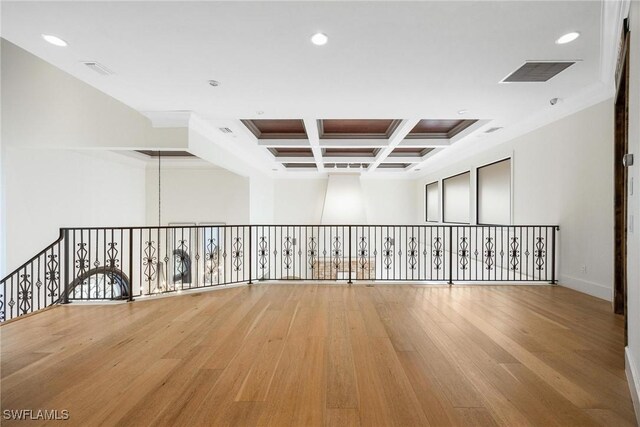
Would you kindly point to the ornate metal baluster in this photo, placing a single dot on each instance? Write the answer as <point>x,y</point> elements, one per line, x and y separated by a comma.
<point>489,253</point>
<point>52,276</point>
<point>337,252</point>
<point>387,252</point>
<point>24,293</point>
<point>413,253</point>
<point>514,253</point>
<point>181,260</point>
<point>2,311</point>
<point>437,253</point>
<point>149,262</point>
<point>363,253</point>
<point>540,253</point>
<point>236,253</point>
<point>287,253</point>
<point>463,253</point>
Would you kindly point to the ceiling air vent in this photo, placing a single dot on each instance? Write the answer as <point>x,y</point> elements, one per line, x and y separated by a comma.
<point>537,71</point>
<point>492,130</point>
<point>98,68</point>
<point>225,130</point>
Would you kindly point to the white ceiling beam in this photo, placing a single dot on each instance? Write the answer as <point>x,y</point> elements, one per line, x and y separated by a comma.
<point>425,142</point>
<point>353,143</point>
<point>311,126</point>
<point>283,143</point>
<point>396,138</point>
<point>402,159</point>
<point>325,143</point>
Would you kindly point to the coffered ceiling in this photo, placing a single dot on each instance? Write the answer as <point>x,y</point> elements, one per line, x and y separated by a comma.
<point>398,87</point>
<point>354,144</point>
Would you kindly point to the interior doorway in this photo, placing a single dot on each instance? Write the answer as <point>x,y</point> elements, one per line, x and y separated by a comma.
<point>620,177</point>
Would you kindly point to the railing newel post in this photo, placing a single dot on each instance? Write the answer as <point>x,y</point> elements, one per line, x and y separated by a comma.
<point>131,264</point>
<point>553,255</point>
<point>65,298</point>
<point>450,255</point>
<point>250,254</point>
<point>350,282</point>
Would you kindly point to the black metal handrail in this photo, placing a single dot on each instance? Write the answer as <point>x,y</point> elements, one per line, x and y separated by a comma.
<point>110,263</point>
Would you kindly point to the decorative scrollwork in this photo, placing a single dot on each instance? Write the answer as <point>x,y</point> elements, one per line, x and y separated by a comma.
<point>463,253</point>
<point>336,252</point>
<point>514,253</point>
<point>52,275</point>
<point>413,253</point>
<point>312,252</point>
<point>211,257</point>
<point>287,252</point>
<point>363,253</point>
<point>540,253</point>
<point>489,253</point>
<point>2,313</point>
<point>387,252</point>
<point>263,252</point>
<point>236,253</point>
<point>82,263</point>
<point>112,253</point>
<point>24,293</point>
<point>149,261</point>
<point>437,253</point>
<point>182,262</point>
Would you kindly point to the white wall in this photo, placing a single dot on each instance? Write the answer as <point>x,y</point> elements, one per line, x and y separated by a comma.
<point>299,201</point>
<point>562,174</point>
<point>344,202</point>
<point>386,201</point>
<point>48,189</point>
<point>196,194</point>
<point>42,106</point>
<point>633,244</point>
<point>261,199</point>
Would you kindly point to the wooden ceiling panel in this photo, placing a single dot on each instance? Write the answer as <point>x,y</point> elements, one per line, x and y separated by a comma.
<point>166,153</point>
<point>276,128</point>
<point>291,152</point>
<point>299,165</point>
<point>350,152</point>
<point>411,151</point>
<point>357,128</point>
<point>439,128</point>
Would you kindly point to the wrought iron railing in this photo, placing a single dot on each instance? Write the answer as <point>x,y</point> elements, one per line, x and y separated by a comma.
<point>123,263</point>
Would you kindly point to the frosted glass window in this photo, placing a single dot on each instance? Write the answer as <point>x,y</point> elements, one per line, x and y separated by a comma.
<point>432,202</point>
<point>455,196</point>
<point>494,193</point>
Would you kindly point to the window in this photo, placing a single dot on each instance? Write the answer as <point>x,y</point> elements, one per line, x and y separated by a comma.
<point>494,193</point>
<point>432,202</point>
<point>455,198</point>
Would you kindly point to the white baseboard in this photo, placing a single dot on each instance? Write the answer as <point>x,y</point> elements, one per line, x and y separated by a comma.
<point>590,288</point>
<point>633,380</point>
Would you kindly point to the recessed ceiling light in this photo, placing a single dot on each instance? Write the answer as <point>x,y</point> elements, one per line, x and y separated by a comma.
<point>461,112</point>
<point>417,170</point>
<point>274,170</point>
<point>214,83</point>
<point>56,41</point>
<point>319,39</point>
<point>568,38</point>
<point>260,113</point>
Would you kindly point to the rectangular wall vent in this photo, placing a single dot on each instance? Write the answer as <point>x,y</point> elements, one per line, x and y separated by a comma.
<point>537,71</point>
<point>98,68</point>
<point>225,130</point>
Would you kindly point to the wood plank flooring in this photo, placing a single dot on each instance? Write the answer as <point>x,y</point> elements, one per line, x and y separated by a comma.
<point>312,355</point>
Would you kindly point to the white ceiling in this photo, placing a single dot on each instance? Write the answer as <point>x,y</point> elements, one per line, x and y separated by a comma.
<point>397,60</point>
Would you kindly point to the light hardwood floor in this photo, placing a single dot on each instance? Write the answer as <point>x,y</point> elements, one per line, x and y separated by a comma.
<point>294,354</point>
